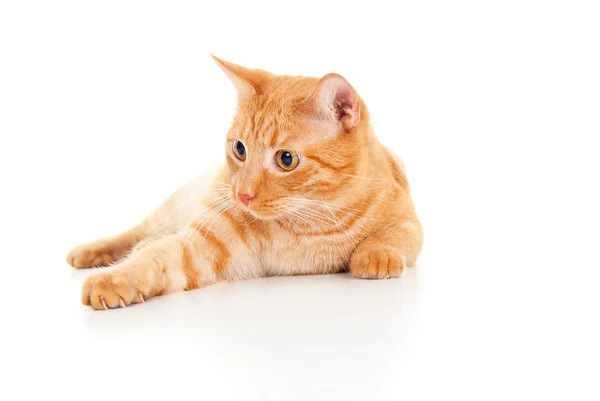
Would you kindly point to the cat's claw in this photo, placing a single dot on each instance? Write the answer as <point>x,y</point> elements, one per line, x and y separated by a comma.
<point>122,303</point>
<point>103,302</point>
<point>141,297</point>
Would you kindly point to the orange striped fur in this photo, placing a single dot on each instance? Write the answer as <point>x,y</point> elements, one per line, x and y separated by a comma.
<point>345,206</point>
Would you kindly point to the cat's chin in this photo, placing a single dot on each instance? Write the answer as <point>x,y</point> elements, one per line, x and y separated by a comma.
<point>262,215</point>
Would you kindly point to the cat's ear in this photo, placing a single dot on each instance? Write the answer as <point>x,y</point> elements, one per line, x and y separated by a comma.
<point>336,100</point>
<point>247,81</point>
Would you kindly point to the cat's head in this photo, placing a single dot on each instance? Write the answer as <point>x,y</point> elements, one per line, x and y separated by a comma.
<point>293,140</point>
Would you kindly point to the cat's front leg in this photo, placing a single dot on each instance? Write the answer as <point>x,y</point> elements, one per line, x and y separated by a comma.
<point>388,252</point>
<point>106,251</point>
<point>178,262</point>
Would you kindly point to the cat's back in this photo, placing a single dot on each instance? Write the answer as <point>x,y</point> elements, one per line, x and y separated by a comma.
<point>397,168</point>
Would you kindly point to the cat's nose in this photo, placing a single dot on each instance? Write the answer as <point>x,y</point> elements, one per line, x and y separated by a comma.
<point>245,198</point>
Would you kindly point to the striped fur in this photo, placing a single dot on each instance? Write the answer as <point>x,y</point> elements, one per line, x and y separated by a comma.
<point>346,206</point>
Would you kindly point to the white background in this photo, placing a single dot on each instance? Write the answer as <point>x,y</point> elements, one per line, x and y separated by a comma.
<point>108,106</point>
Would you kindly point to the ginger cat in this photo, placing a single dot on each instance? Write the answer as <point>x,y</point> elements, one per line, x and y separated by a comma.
<point>307,189</point>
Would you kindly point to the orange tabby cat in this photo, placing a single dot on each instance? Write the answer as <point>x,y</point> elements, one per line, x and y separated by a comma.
<point>307,189</point>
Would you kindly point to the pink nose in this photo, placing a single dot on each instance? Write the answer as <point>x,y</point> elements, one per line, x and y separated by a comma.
<point>245,198</point>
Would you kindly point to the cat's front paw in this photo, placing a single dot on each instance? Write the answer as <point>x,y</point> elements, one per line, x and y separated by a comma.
<point>92,254</point>
<point>383,262</point>
<point>114,289</point>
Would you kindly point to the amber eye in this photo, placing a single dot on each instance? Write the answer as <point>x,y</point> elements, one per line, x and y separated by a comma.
<point>287,160</point>
<point>239,150</point>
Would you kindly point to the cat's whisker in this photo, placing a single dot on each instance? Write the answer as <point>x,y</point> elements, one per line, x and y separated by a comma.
<point>306,200</point>
<point>325,205</point>
<point>223,193</point>
<point>165,220</point>
<point>287,219</point>
<point>212,210</point>
<point>331,212</point>
<point>291,222</point>
<point>341,206</point>
<point>302,207</point>
<point>294,212</point>
<point>191,237</point>
<point>316,213</point>
<point>227,206</point>
<point>344,212</point>
<point>307,212</point>
<point>310,220</point>
<point>209,207</point>
<point>342,209</point>
<point>317,219</point>
<point>222,183</point>
<point>192,232</point>
<point>216,208</point>
<point>202,216</point>
<point>323,202</point>
<point>360,177</point>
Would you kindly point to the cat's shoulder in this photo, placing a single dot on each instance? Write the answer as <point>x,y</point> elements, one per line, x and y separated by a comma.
<point>397,166</point>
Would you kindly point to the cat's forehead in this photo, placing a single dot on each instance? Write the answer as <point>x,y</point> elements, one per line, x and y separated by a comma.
<point>268,132</point>
<point>271,128</point>
<point>275,117</point>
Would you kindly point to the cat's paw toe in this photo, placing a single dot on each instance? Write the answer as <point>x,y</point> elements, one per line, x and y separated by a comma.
<point>377,263</point>
<point>110,290</point>
<point>93,254</point>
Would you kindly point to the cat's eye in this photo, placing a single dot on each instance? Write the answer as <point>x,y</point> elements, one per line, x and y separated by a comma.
<point>287,160</point>
<point>239,150</point>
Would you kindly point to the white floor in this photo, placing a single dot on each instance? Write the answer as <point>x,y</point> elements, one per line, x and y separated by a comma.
<point>443,329</point>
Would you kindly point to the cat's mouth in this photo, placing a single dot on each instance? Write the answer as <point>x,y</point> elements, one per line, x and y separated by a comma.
<point>261,215</point>
<point>256,211</point>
